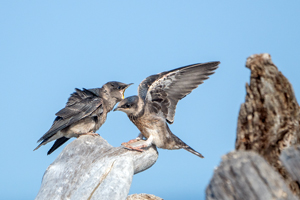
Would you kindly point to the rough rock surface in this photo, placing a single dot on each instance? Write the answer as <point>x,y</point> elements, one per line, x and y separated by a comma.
<point>290,158</point>
<point>143,197</point>
<point>246,175</point>
<point>90,168</point>
<point>269,119</point>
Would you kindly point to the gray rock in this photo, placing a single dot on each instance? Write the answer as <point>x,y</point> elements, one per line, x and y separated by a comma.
<point>290,158</point>
<point>246,175</point>
<point>143,197</point>
<point>90,168</point>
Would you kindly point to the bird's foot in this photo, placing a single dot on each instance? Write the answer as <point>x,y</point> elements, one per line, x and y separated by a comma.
<point>137,148</point>
<point>130,141</point>
<point>90,133</point>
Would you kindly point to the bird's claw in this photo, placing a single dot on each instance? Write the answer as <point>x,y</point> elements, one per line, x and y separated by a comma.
<point>138,148</point>
<point>131,141</point>
<point>90,133</point>
<point>124,143</point>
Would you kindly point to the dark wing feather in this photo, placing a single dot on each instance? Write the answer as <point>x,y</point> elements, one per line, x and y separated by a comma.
<point>146,83</point>
<point>79,95</point>
<point>165,89</point>
<point>81,104</point>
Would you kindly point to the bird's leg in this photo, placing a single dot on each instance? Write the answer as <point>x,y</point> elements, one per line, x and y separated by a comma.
<point>139,137</point>
<point>89,133</point>
<point>147,143</point>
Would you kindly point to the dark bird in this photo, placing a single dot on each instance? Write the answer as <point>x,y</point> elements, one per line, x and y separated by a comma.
<point>156,102</point>
<point>85,112</point>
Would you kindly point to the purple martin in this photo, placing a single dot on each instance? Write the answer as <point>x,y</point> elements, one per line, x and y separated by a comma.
<point>84,113</point>
<point>155,105</point>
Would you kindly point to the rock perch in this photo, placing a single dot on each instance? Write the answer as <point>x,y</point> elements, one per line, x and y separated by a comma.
<point>90,168</point>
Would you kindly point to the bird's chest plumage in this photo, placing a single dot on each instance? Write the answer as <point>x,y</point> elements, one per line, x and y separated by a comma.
<point>99,120</point>
<point>151,126</point>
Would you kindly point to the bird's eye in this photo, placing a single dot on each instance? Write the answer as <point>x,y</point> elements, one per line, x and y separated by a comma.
<point>127,105</point>
<point>120,87</point>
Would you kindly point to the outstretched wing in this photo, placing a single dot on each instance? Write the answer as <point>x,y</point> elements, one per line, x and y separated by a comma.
<point>164,90</point>
<point>81,104</point>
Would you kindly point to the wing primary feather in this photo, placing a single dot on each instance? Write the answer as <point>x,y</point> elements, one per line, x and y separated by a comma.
<point>168,87</point>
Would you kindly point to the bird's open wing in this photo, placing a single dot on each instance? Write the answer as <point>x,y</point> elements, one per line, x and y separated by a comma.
<point>81,104</point>
<point>164,90</point>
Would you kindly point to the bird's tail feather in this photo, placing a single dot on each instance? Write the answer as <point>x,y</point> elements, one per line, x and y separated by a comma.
<point>38,146</point>
<point>45,141</point>
<point>57,144</point>
<point>189,149</point>
<point>182,144</point>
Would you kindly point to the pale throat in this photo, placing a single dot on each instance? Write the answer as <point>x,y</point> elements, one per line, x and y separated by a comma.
<point>110,102</point>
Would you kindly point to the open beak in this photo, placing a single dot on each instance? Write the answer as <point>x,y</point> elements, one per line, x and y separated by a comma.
<point>123,91</point>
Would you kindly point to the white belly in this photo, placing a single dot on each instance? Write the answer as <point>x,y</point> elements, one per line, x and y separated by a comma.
<point>156,136</point>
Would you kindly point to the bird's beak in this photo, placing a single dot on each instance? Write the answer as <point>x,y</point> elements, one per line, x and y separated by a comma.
<point>128,85</point>
<point>116,109</point>
<point>123,91</point>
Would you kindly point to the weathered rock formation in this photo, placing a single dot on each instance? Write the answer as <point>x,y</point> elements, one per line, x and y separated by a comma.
<point>90,168</point>
<point>246,175</point>
<point>290,158</point>
<point>143,197</point>
<point>268,123</point>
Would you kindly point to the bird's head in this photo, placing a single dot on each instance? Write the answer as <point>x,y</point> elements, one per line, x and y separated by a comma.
<point>129,105</point>
<point>116,89</point>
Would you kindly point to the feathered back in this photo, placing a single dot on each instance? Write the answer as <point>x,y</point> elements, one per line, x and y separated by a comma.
<point>81,104</point>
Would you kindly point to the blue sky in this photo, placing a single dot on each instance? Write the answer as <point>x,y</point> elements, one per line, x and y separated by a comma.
<point>48,48</point>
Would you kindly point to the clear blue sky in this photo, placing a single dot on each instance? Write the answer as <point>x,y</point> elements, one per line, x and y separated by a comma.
<point>47,48</point>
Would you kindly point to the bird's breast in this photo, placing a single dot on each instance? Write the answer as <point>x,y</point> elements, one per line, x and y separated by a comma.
<point>144,123</point>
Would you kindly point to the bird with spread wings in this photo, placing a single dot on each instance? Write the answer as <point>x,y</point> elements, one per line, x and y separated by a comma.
<point>154,107</point>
